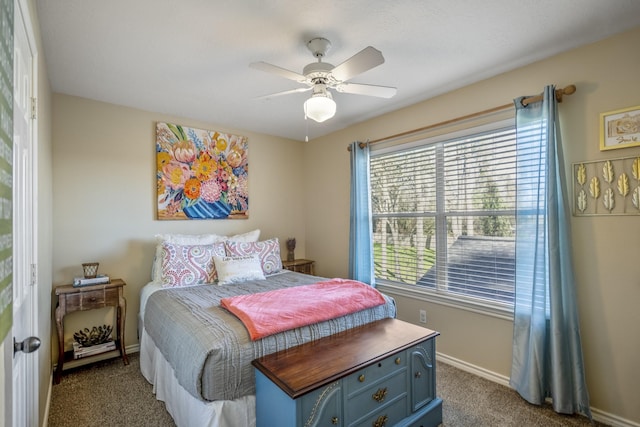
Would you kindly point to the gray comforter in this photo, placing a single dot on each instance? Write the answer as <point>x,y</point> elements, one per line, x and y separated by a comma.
<point>210,349</point>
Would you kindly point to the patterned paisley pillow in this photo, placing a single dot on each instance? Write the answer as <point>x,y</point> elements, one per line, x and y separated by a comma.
<point>189,265</point>
<point>267,250</point>
<point>191,240</point>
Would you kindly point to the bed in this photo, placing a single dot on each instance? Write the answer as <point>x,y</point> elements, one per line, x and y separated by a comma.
<point>198,354</point>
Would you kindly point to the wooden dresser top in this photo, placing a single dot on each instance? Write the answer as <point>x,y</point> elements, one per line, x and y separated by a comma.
<point>306,367</point>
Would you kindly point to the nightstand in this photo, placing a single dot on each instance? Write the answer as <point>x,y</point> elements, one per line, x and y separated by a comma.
<point>82,298</point>
<point>300,266</point>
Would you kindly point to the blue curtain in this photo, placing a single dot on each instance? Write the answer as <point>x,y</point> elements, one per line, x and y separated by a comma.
<point>547,351</point>
<point>360,228</point>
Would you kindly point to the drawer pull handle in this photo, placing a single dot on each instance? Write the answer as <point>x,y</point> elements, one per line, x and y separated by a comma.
<point>334,421</point>
<point>397,361</point>
<point>361,378</point>
<point>379,395</point>
<point>381,421</point>
<point>418,374</point>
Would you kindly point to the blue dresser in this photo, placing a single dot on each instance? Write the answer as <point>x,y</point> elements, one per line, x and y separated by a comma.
<point>378,375</point>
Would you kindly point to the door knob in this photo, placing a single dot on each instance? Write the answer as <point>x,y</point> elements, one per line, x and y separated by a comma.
<point>28,345</point>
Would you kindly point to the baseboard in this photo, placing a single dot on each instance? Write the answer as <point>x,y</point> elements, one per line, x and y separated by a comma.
<point>47,407</point>
<point>611,419</point>
<point>473,369</point>
<point>598,415</point>
<point>130,349</point>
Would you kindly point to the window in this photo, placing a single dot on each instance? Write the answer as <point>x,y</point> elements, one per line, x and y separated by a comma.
<point>444,215</point>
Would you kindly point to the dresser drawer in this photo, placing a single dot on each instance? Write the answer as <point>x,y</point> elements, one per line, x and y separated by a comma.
<point>384,417</point>
<point>89,300</point>
<point>377,396</point>
<point>371,374</point>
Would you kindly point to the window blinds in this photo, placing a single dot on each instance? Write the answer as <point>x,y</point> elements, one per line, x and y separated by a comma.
<point>444,215</point>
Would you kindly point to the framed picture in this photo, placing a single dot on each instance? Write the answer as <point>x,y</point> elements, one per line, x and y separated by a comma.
<point>201,174</point>
<point>620,128</point>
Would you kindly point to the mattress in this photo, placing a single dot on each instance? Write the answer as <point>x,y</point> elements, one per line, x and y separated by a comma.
<point>210,350</point>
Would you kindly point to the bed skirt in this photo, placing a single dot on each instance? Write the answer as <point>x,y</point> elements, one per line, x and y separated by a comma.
<point>186,410</point>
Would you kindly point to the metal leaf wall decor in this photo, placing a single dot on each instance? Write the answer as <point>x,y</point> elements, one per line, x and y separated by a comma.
<point>607,187</point>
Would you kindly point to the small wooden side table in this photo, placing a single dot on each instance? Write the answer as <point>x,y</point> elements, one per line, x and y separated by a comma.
<point>82,298</point>
<point>300,266</point>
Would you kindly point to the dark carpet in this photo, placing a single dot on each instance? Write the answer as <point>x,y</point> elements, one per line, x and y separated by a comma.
<point>108,393</point>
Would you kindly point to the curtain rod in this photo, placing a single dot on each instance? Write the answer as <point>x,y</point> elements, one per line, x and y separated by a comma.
<point>526,101</point>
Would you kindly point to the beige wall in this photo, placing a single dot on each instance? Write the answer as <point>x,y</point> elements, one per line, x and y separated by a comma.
<point>104,192</point>
<point>605,249</point>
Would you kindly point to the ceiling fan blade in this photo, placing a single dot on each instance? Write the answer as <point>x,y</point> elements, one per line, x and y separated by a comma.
<point>369,90</point>
<point>282,72</point>
<point>286,92</point>
<point>362,61</point>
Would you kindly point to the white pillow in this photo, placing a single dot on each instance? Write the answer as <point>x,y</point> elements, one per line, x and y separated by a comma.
<point>249,236</point>
<point>192,240</point>
<point>238,269</point>
<point>189,239</point>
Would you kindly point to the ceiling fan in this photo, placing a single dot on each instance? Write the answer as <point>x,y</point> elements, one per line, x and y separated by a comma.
<point>320,76</point>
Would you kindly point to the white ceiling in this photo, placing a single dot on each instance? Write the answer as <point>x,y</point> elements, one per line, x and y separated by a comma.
<point>190,58</point>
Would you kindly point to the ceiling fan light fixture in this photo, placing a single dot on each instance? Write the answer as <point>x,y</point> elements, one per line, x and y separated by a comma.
<point>320,106</point>
<point>321,76</point>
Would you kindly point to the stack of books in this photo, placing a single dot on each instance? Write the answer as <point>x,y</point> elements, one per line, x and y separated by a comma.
<point>79,352</point>
<point>98,280</point>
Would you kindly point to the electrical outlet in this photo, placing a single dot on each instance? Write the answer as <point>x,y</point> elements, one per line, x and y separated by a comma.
<point>423,316</point>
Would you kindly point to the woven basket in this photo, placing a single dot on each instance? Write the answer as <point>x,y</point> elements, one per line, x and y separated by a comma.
<point>90,269</point>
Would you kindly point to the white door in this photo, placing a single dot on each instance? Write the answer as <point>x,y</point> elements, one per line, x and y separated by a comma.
<point>25,323</point>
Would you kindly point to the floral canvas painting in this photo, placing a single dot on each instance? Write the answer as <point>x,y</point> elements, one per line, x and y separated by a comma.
<point>201,174</point>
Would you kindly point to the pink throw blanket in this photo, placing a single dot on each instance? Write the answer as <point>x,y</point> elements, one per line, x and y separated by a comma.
<point>267,313</point>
